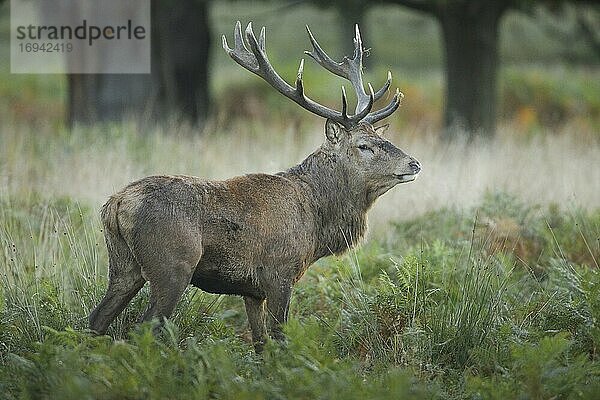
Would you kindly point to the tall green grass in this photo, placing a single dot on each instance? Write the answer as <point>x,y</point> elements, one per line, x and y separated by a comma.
<point>442,311</point>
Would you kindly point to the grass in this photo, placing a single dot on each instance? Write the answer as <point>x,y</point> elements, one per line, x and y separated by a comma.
<point>478,273</point>
<point>448,317</point>
<point>89,164</point>
<point>470,292</point>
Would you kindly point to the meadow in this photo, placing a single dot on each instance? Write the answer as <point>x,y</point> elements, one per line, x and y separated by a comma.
<point>480,280</point>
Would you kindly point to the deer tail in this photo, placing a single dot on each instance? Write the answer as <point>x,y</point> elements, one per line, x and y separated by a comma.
<point>109,215</point>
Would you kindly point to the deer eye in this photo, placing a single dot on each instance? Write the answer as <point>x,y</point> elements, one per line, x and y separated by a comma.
<point>364,147</point>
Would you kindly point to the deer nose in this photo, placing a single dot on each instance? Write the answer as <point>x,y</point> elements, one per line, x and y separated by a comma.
<point>415,166</point>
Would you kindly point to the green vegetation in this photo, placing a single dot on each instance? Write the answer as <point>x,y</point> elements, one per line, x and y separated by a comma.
<point>498,301</point>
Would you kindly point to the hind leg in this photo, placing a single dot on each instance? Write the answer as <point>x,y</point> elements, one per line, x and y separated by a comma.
<point>166,291</point>
<point>169,271</point>
<point>125,280</point>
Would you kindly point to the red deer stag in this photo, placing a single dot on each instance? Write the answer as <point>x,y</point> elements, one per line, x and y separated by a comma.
<point>254,235</point>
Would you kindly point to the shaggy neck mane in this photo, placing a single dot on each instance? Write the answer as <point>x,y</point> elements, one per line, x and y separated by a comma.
<point>338,203</point>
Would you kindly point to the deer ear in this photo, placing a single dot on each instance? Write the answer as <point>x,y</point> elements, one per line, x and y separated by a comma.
<point>333,131</point>
<point>380,130</point>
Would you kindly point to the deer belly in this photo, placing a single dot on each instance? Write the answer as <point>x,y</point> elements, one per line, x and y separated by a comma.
<point>225,281</point>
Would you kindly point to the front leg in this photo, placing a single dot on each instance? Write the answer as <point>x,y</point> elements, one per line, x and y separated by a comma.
<point>255,309</point>
<point>278,305</point>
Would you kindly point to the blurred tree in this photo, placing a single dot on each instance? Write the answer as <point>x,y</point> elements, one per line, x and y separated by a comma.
<point>572,24</point>
<point>470,37</point>
<point>178,84</point>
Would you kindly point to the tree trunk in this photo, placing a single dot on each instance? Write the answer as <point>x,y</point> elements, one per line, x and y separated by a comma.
<point>470,35</point>
<point>177,86</point>
<point>182,47</point>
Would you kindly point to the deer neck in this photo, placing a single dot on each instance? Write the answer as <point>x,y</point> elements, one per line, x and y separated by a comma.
<point>338,201</point>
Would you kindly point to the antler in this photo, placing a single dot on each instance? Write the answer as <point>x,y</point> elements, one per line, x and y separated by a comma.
<point>256,61</point>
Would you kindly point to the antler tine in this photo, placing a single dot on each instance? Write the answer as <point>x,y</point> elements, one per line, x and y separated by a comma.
<point>261,38</point>
<point>319,55</point>
<point>238,38</point>
<point>379,94</point>
<point>344,104</point>
<point>299,83</point>
<point>362,114</point>
<point>387,110</point>
<point>257,49</point>
<point>358,48</point>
